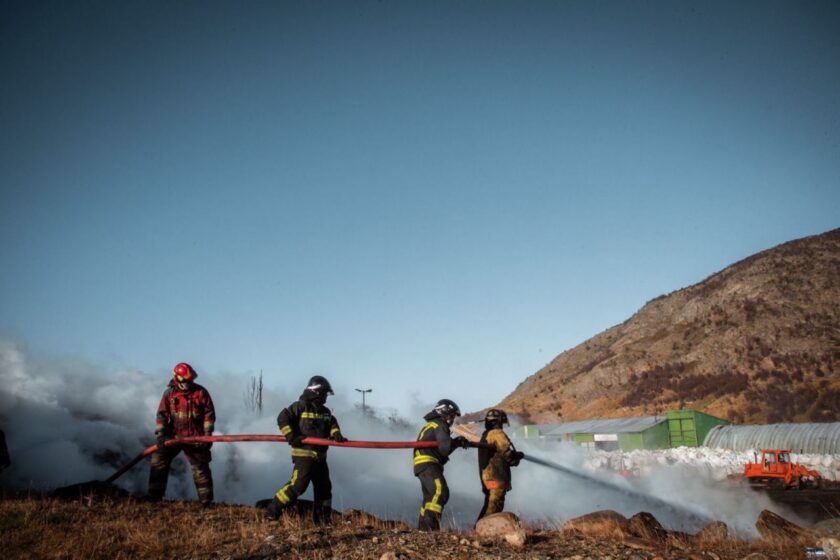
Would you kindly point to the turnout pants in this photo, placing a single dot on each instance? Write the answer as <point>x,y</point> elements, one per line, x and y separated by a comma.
<point>305,471</point>
<point>435,496</point>
<point>199,459</point>
<point>494,501</point>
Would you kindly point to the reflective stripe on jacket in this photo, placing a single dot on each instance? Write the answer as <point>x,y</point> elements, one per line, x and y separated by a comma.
<point>436,430</point>
<point>185,412</point>
<point>494,464</point>
<point>308,418</point>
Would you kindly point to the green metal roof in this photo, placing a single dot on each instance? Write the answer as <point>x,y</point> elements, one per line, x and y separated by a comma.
<point>606,426</point>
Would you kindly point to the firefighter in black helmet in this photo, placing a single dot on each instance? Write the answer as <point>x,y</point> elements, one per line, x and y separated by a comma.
<point>308,417</point>
<point>429,461</point>
<point>494,462</point>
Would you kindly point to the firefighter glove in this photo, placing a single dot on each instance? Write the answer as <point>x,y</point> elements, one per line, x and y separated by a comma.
<point>339,438</point>
<point>460,441</point>
<point>295,441</point>
<point>517,457</point>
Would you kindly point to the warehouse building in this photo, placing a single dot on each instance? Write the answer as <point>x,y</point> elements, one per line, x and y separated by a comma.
<point>646,432</point>
<point>674,429</point>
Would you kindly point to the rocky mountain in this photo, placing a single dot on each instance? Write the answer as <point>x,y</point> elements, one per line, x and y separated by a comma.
<point>756,342</point>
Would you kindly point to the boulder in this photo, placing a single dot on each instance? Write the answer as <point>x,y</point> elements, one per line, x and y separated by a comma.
<point>831,547</point>
<point>645,526</point>
<point>714,531</point>
<point>516,539</point>
<point>504,526</point>
<point>773,526</point>
<point>605,523</point>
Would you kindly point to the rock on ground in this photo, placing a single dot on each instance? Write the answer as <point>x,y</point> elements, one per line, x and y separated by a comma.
<point>714,531</point>
<point>773,526</point>
<point>645,526</point>
<point>605,523</point>
<point>503,526</point>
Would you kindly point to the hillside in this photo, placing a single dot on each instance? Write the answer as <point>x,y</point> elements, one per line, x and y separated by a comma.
<point>756,342</point>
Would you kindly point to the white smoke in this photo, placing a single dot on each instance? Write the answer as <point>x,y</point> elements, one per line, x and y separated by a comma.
<point>67,421</point>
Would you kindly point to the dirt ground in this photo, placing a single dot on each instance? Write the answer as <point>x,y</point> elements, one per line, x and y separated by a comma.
<point>114,528</point>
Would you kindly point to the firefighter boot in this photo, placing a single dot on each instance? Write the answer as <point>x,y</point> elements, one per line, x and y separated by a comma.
<point>322,512</point>
<point>429,520</point>
<point>274,509</point>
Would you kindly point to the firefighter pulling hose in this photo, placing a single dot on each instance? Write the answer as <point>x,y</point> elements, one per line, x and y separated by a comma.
<point>185,410</point>
<point>185,422</point>
<point>269,438</point>
<point>406,445</point>
<point>308,417</point>
<point>429,462</point>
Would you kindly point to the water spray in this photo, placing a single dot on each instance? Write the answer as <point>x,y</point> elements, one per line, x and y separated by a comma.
<point>693,514</point>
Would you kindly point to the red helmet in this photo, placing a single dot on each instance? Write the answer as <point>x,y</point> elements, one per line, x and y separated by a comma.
<point>184,372</point>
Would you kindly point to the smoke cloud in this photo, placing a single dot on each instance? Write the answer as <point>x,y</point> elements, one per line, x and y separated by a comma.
<point>67,421</point>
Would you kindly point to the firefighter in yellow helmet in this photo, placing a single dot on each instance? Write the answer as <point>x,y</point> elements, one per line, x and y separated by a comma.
<point>429,461</point>
<point>495,461</point>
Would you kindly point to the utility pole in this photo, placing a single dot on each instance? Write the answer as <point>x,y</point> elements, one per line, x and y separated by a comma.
<point>363,391</point>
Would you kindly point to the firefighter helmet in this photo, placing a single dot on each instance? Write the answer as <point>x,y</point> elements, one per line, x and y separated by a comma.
<point>495,416</point>
<point>447,408</point>
<point>184,373</point>
<point>320,386</point>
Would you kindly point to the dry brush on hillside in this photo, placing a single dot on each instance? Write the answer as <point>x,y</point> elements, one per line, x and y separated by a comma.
<point>758,341</point>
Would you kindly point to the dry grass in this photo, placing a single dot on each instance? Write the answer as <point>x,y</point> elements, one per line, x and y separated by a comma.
<point>41,528</point>
<point>114,529</point>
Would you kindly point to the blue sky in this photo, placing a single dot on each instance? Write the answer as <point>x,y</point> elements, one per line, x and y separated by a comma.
<point>427,198</point>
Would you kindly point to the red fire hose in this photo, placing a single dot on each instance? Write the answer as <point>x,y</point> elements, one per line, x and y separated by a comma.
<point>260,437</point>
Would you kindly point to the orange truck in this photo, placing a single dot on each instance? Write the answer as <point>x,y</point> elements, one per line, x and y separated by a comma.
<point>775,470</point>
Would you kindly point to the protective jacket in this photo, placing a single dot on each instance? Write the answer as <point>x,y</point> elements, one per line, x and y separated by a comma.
<point>436,429</point>
<point>494,464</point>
<point>185,412</point>
<point>308,417</point>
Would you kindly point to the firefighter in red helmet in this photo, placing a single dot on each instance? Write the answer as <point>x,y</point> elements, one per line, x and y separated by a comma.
<point>185,410</point>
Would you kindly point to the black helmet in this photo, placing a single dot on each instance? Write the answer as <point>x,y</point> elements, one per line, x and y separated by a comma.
<point>320,386</point>
<point>447,408</point>
<point>495,417</point>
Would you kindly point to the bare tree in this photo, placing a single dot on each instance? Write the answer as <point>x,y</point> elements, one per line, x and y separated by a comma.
<point>253,395</point>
